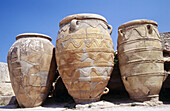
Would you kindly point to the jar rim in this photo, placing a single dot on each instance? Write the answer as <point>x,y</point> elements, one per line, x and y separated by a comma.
<point>38,35</point>
<point>138,21</point>
<point>81,16</point>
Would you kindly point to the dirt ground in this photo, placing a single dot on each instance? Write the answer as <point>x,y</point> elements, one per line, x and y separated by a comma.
<point>95,106</point>
<point>117,101</point>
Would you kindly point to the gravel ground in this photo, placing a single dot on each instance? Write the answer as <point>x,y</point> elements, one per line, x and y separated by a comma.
<point>95,106</point>
<point>110,102</point>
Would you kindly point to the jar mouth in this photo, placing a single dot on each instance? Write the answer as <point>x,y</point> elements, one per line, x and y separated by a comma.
<point>81,16</point>
<point>136,22</point>
<point>25,35</point>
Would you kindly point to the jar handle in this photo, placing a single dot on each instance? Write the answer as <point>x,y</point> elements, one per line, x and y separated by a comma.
<point>166,75</point>
<point>111,29</point>
<point>106,90</point>
<point>150,29</point>
<point>120,32</point>
<point>73,24</point>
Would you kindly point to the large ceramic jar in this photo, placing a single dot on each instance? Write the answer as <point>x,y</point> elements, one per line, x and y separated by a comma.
<point>85,56</point>
<point>141,59</point>
<point>31,63</point>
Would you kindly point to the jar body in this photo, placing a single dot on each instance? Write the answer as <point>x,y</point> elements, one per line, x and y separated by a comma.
<point>141,60</point>
<point>85,58</point>
<point>31,63</point>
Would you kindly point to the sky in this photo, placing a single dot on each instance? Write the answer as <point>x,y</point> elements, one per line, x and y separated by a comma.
<point>43,16</point>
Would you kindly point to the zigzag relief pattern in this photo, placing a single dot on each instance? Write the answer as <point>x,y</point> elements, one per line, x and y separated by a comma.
<point>94,24</point>
<point>66,58</point>
<point>62,37</point>
<point>104,57</point>
<point>74,44</point>
<point>86,75</point>
<point>134,31</point>
<point>99,72</point>
<point>70,44</point>
<point>97,57</point>
<point>97,43</point>
<point>77,42</point>
<point>140,32</point>
<point>83,36</point>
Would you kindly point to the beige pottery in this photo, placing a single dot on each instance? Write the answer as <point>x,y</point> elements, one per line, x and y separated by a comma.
<point>141,59</point>
<point>85,56</point>
<point>32,67</point>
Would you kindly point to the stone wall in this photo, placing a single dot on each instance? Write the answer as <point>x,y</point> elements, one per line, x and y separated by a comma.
<point>6,92</point>
<point>165,38</point>
<point>4,74</point>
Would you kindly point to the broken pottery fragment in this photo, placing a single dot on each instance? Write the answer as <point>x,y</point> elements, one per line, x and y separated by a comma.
<point>85,56</point>
<point>31,63</point>
<point>141,59</point>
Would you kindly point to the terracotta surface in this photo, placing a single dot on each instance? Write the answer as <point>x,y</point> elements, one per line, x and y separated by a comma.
<point>32,67</point>
<point>141,59</point>
<point>85,56</point>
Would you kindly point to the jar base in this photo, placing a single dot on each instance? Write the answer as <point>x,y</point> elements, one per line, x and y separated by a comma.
<point>145,98</point>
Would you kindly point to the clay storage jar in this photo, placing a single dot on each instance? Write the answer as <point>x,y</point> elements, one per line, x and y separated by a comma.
<point>31,63</point>
<point>141,59</point>
<point>85,56</point>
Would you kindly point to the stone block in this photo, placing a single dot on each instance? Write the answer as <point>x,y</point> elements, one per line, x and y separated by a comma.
<point>6,91</point>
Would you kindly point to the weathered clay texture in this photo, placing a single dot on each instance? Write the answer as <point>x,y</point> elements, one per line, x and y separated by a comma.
<point>141,59</point>
<point>85,56</point>
<point>32,67</point>
<point>6,92</point>
<point>165,37</point>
